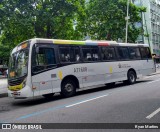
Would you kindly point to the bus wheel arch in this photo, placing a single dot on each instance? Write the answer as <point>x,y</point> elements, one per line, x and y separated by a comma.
<point>131,76</point>
<point>69,85</point>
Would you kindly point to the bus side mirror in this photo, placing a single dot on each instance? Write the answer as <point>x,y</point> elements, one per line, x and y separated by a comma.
<point>37,50</point>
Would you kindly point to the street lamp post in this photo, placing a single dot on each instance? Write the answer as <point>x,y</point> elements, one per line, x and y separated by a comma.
<point>127,18</point>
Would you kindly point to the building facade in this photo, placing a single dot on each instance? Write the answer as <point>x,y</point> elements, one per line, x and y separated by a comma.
<point>150,24</point>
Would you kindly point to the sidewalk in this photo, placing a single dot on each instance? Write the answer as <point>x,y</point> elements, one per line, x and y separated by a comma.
<point>157,72</point>
<point>3,87</point>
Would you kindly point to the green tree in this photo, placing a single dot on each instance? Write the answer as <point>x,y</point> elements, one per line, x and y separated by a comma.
<point>24,19</point>
<point>106,19</point>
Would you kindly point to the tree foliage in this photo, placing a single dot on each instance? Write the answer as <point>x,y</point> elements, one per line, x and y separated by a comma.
<point>24,19</point>
<point>106,19</point>
<point>100,19</point>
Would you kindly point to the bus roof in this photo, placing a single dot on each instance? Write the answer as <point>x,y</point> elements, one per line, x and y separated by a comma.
<point>87,42</point>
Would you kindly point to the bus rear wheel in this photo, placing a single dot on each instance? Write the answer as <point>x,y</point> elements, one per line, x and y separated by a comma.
<point>68,88</point>
<point>131,77</point>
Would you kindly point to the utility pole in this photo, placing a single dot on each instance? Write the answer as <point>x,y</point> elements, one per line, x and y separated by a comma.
<point>127,18</point>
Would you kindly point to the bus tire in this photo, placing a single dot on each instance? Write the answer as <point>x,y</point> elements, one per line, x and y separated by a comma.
<point>48,96</point>
<point>131,77</point>
<point>68,88</point>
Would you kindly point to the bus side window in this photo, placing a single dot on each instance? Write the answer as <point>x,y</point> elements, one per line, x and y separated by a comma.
<point>40,57</point>
<point>43,60</point>
<point>69,54</point>
<point>95,54</point>
<point>148,53</point>
<point>111,54</point>
<point>134,53</point>
<point>77,57</point>
<point>50,57</point>
<point>75,54</point>
<point>87,54</point>
<point>64,54</point>
<point>108,53</point>
<point>104,53</point>
<point>145,53</point>
<point>123,53</point>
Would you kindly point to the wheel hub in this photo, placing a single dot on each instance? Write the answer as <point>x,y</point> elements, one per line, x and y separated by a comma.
<point>68,87</point>
<point>132,78</point>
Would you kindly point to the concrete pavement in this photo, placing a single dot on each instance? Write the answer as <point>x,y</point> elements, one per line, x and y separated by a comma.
<point>3,86</point>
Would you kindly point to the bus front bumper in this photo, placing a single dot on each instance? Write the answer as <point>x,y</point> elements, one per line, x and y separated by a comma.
<point>21,94</point>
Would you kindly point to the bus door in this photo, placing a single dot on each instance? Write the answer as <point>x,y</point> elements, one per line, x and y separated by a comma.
<point>42,64</point>
<point>123,64</point>
<point>93,73</point>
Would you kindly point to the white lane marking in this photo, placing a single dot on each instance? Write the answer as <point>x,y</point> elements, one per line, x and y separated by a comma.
<point>86,101</point>
<point>153,114</point>
<point>153,81</point>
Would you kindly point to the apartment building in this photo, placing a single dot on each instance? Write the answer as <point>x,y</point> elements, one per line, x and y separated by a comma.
<point>151,24</point>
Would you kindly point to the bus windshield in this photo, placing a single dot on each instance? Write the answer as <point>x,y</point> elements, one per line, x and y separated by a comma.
<point>18,64</point>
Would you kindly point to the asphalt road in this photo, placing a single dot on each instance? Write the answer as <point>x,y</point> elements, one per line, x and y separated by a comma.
<point>138,103</point>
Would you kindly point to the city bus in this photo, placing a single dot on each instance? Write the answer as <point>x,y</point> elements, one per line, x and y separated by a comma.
<point>47,66</point>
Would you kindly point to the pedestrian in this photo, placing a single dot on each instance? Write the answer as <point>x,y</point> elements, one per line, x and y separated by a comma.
<point>7,73</point>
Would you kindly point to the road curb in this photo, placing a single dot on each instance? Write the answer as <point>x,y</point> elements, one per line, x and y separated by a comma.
<point>155,73</point>
<point>3,95</point>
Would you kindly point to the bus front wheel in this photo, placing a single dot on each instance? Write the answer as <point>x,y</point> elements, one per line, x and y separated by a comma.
<point>131,77</point>
<point>68,88</point>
